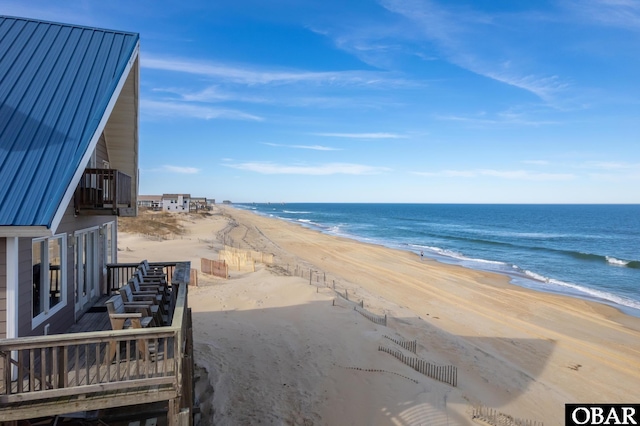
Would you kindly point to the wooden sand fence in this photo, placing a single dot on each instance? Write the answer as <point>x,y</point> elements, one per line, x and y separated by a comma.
<point>496,418</point>
<point>304,272</point>
<point>240,259</point>
<point>371,317</point>
<point>410,345</point>
<point>443,373</point>
<point>258,256</point>
<point>237,260</point>
<point>218,268</point>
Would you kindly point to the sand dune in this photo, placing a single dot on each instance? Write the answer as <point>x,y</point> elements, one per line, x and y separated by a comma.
<point>284,349</point>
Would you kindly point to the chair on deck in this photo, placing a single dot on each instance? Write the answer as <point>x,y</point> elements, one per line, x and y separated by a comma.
<point>147,299</point>
<point>152,271</point>
<point>146,283</point>
<point>125,317</point>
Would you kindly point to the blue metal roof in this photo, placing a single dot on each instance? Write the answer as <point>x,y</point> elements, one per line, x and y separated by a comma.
<point>56,81</point>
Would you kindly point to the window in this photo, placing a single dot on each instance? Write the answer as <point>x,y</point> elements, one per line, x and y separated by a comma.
<point>49,275</point>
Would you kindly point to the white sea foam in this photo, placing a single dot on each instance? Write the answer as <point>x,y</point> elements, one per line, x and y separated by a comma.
<point>456,255</point>
<point>598,294</point>
<point>563,287</point>
<point>536,277</point>
<point>616,262</point>
<point>294,212</point>
<point>441,251</point>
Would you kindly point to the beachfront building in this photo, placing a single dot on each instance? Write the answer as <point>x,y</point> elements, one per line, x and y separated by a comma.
<point>69,167</point>
<point>150,202</point>
<point>198,203</point>
<point>176,203</point>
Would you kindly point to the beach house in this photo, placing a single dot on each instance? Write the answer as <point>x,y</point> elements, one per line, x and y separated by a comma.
<point>176,203</point>
<point>68,169</point>
<point>150,202</point>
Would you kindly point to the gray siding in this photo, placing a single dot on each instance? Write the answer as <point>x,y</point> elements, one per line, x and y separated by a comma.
<point>101,151</point>
<point>25,277</point>
<point>3,288</point>
<point>62,320</point>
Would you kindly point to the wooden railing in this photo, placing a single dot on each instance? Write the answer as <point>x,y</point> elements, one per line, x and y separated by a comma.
<point>78,367</point>
<point>103,189</point>
<point>119,273</point>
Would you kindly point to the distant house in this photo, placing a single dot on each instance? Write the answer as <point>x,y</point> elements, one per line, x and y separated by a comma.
<point>151,202</point>
<point>211,202</point>
<point>68,167</point>
<point>198,203</point>
<point>176,202</point>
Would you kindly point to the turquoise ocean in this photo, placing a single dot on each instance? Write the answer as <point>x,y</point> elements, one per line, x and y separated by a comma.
<point>586,251</point>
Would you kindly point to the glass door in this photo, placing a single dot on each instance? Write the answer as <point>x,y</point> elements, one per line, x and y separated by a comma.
<point>86,262</point>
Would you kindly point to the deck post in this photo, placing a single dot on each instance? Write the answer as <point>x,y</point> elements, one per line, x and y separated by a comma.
<point>173,418</point>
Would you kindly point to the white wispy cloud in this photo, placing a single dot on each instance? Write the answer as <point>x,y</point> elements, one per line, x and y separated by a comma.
<point>456,33</point>
<point>497,120</point>
<point>623,14</point>
<point>252,75</point>
<point>183,109</point>
<point>311,147</point>
<point>210,94</point>
<point>501,174</point>
<point>362,135</point>
<point>537,162</point>
<point>181,169</point>
<point>270,168</point>
<point>609,165</point>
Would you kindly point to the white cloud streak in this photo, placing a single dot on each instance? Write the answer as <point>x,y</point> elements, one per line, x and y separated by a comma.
<point>269,168</point>
<point>500,120</point>
<point>537,162</point>
<point>362,135</point>
<point>181,170</point>
<point>249,76</point>
<point>501,174</point>
<point>456,33</point>
<point>181,109</point>
<point>311,147</point>
<point>623,14</point>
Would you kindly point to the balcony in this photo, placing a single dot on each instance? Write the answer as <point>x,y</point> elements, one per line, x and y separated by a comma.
<point>47,376</point>
<point>104,192</point>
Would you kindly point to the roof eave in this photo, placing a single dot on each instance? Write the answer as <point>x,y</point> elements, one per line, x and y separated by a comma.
<point>25,231</point>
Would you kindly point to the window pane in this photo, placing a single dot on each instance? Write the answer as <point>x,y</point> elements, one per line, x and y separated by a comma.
<point>38,293</point>
<point>55,277</point>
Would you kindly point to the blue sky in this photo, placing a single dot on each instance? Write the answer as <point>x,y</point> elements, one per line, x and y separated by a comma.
<point>465,101</point>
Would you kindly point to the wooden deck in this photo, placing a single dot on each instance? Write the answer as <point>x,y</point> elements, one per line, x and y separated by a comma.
<point>94,368</point>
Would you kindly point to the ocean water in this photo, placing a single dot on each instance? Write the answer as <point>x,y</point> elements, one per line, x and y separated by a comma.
<point>586,251</point>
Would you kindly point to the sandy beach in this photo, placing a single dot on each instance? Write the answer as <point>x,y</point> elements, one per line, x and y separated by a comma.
<point>278,347</point>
